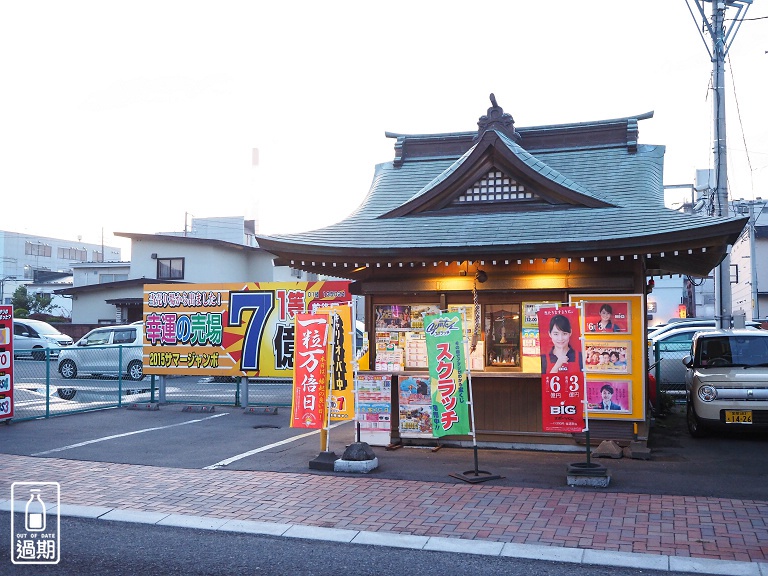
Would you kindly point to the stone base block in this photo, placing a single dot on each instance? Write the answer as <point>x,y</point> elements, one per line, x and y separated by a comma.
<point>360,466</point>
<point>591,481</point>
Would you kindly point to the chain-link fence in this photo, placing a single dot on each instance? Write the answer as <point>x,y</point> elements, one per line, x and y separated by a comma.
<point>668,368</point>
<point>77,380</point>
<point>97,377</point>
<point>226,391</point>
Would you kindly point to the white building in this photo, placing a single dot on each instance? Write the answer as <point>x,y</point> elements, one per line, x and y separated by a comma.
<point>749,262</point>
<point>44,264</point>
<point>169,258</point>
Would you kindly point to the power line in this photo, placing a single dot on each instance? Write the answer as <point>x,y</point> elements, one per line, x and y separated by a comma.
<point>741,125</point>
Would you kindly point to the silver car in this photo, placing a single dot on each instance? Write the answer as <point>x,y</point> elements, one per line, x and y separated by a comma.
<point>726,380</point>
<point>107,350</point>
<point>34,337</point>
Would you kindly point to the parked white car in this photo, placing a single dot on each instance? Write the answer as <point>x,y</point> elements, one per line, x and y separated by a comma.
<point>726,380</point>
<point>33,337</point>
<point>99,352</point>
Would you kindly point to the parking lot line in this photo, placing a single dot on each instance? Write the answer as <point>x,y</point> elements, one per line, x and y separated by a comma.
<point>105,438</point>
<point>228,461</point>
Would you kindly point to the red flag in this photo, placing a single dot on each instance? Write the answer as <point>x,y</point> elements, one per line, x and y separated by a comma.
<point>310,374</point>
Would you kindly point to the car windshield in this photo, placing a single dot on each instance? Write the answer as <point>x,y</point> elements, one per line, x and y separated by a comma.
<point>45,329</point>
<point>725,351</point>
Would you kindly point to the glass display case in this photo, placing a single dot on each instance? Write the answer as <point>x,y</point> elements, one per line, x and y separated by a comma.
<point>502,335</point>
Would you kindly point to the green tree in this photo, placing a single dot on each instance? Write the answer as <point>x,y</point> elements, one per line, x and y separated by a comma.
<point>40,303</point>
<point>37,303</point>
<point>20,299</point>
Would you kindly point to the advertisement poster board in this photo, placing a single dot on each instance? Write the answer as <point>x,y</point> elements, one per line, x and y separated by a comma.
<point>374,412</point>
<point>610,317</point>
<point>531,349</point>
<point>562,378</point>
<point>447,374</point>
<point>609,396</point>
<point>608,356</point>
<point>415,416</point>
<point>229,329</point>
<point>310,376</point>
<point>6,362</point>
<point>615,354</point>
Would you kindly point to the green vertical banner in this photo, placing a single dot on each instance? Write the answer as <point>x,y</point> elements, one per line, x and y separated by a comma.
<point>447,374</point>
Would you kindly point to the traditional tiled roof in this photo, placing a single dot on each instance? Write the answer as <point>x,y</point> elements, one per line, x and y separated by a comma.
<point>601,195</point>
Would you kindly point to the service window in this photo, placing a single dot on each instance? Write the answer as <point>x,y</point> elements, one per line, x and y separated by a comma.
<point>502,335</point>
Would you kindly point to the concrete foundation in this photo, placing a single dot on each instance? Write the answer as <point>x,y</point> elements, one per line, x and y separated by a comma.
<point>361,466</point>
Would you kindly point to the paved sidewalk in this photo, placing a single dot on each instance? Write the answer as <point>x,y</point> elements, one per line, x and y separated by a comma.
<point>682,533</point>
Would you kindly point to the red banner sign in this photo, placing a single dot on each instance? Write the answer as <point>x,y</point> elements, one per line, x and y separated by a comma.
<point>562,370</point>
<point>310,375</point>
<point>6,362</point>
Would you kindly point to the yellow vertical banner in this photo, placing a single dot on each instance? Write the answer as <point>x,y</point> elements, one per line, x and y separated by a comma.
<point>342,343</point>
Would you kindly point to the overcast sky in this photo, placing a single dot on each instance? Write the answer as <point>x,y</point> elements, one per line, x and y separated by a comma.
<point>124,116</point>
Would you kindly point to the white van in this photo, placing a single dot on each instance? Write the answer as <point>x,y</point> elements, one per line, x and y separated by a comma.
<point>33,337</point>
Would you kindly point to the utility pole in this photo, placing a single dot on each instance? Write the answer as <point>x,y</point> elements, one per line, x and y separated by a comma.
<point>721,43</point>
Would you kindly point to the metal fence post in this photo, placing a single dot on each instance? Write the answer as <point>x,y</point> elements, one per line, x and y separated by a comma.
<point>161,389</point>
<point>120,376</point>
<point>152,388</point>
<point>242,388</point>
<point>47,382</point>
<point>657,369</point>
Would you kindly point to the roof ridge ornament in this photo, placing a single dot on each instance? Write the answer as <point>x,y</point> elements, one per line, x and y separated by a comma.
<point>497,119</point>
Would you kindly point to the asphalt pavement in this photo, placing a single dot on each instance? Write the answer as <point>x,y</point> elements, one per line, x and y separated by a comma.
<point>696,506</point>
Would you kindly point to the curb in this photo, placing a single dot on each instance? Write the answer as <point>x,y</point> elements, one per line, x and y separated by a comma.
<point>660,562</point>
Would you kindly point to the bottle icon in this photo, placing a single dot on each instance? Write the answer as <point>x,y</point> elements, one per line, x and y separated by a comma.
<point>34,513</point>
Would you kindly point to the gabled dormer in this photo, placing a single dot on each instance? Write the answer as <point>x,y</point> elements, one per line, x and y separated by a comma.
<point>497,173</point>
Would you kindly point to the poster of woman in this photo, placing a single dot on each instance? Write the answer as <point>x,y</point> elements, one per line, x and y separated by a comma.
<point>609,396</point>
<point>559,335</point>
<point>607,317</point>
<point>608,356</point>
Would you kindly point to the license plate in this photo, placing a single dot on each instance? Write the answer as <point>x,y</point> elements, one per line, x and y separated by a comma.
<point>738,416</point>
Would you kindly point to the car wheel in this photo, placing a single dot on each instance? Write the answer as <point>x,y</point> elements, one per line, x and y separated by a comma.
<point>68,369</point>
<point>695,427</point>
<point>135,370</point>
<point>66,393</point>
<point>38,355</point>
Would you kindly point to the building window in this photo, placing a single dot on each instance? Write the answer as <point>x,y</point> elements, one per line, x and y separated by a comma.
<point>73,254</point>
<point>170,268</point>
<point>495,187</point>
<point>104,278</point>
<point>295,273</point>
<point>37,249</point>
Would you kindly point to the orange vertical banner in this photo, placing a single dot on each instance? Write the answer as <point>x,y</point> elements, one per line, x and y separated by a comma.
<point>310,375</point>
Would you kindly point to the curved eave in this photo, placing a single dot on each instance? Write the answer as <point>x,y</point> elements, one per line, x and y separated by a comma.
<point>690,251</point>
